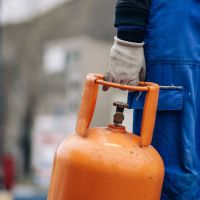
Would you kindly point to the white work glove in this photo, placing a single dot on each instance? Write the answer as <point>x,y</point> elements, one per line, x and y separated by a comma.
<point>126,63</point>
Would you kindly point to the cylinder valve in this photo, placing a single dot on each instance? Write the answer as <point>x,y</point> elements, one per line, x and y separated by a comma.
<point>118,117</point>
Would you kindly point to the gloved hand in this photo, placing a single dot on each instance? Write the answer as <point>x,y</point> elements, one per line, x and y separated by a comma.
<point>126,63</point>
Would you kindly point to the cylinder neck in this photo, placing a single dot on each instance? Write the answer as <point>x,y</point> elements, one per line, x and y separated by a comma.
<point>118,129</point>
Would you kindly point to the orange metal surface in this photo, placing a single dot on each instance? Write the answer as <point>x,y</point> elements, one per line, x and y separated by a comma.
<point>108,163</point>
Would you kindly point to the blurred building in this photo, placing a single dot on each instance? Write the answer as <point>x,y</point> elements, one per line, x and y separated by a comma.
<point>44,63</point>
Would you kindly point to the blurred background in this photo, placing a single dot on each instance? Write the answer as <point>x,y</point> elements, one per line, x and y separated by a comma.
<point>46,49</point>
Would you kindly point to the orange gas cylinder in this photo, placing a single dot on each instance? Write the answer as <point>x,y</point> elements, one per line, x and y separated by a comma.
<point>108,163</point>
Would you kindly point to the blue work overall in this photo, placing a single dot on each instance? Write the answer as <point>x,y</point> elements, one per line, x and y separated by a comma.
<point>172,50</point>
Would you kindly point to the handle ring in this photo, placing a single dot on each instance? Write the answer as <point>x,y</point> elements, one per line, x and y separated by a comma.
<point>89,101</point>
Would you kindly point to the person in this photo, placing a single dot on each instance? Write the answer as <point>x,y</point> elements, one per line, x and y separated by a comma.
<point>161,40</point>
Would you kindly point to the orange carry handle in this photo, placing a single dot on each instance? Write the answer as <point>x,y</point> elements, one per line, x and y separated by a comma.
<point>89,101</point>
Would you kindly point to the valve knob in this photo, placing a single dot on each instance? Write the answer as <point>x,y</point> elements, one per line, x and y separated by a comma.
<point>119,116</point>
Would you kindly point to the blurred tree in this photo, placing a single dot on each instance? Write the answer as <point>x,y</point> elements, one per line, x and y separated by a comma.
<point>2,92</point>
<point>26,135</point>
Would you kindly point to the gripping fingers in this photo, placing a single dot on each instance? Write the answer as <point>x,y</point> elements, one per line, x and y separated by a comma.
<point>143,74</point>
<point>109,78</point>
<point>134,82</point>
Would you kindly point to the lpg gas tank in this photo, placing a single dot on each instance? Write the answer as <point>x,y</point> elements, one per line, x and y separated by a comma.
<point>108,163</point>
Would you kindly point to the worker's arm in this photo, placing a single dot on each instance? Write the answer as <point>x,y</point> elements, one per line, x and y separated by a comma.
<point>127,63</point>
<point>131,19</point>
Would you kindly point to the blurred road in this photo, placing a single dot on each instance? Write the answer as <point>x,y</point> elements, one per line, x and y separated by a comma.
<point>5,196</point>
<point>27,195</point>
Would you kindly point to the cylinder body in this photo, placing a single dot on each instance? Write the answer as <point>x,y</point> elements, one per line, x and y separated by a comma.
<point>107,164</point>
